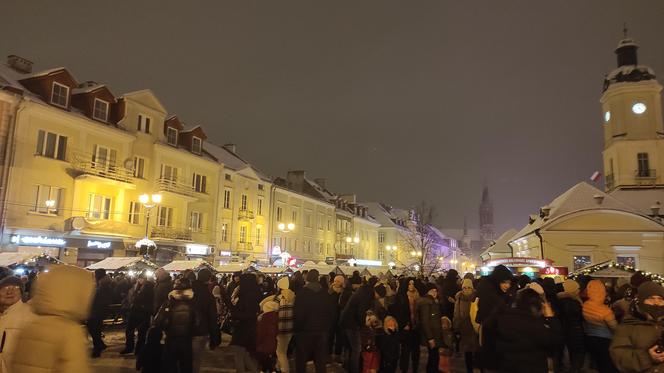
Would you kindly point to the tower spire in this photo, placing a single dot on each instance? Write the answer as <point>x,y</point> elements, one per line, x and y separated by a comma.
<point>624,30</point>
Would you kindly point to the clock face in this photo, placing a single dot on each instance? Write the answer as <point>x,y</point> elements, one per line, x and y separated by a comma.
<point>639,108</point>
<point>607,116</point>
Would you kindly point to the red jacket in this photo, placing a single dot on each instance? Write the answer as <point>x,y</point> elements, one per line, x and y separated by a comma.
<point>267,329</point>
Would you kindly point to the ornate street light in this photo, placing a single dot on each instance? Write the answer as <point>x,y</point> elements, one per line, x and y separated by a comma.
<point>148,202</point>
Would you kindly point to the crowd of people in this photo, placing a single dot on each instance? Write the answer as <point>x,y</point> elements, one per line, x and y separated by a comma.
<point>497,323</point>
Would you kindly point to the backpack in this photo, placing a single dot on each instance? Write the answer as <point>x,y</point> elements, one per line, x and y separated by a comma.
<point>177,318</point>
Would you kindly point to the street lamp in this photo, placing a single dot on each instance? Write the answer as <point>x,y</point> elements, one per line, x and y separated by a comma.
<point>148,202</point>
<point>285,228</point>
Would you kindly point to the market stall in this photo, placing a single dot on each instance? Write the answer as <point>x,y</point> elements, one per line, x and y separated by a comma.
<point>183,265</point>
<point>276,270</point>
<point>26,262</point>
<point>612,271</point>
<point>130,265</point>
<point>377,271</point>
<point>232,268</point>
<point>348,270</point>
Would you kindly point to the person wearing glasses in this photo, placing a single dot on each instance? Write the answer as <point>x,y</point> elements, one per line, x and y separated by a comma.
<point>14,315</point>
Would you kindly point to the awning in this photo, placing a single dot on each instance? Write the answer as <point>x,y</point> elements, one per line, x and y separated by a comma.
<point>275,270</point>
<point>231,268</point>
<point>183,265</point>
<point>116,263</point>
<point>13,258</point>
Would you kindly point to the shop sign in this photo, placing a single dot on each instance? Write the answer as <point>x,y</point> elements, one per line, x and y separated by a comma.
<point>519,262</point>
<point>224,253</point>
<point>553,271</point>
<point>99,244</point>
<point>196,249</point>
<point>37,240</point>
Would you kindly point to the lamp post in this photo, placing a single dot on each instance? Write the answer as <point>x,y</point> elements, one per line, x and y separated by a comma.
<point>352,241</point>
<point>148,202</point>
<point>392,249</point>
<point>285,229</point>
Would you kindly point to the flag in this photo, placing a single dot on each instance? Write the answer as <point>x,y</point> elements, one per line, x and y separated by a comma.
<point>595,176</point>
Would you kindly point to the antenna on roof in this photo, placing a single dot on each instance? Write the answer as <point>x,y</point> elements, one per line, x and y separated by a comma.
<point>625,30</point>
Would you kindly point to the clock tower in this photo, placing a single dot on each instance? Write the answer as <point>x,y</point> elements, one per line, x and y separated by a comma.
<point>632,120</point>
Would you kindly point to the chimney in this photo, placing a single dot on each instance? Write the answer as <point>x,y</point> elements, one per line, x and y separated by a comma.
<point>322,182</point>
<point>544,211</point>
<point>365,212</point>
<point>599,198</point>
<point>88,83</point>
<point>230,147</point>
<point>19,64</point>
<point>296,180</point>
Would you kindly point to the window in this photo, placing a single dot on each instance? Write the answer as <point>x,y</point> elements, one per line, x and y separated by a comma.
<point>243,202</point>
<point>104,158</point>
<point>139,167</point>
<point>259,206</point>
<point>51,145</point>
<point>329,224</point>
<point>100,111</point>
<point>320,222</point>
<point>227,177</point>
<point>169,172</point>
<point>196,145</point>
<point>172,136</point>
<point>309,246</point>
<point>195,222</point>
<point>165,216</point>
<point>60,95</point>
<point>243,233</point>
<point>224,232</point>
<point>644,165</point>
<point>581,261</point>
<point>144,123</point>
<point>135,212</point>
<point>43,193</point>
<point>307,220</point>
<point>294,217</point>
<point>381,237</point>
<point>327,249</point>
<point>258,234</point>
<point>199,183</point>
<point>261,187</point>
<point>227,198</point>
<point>99,207</point>
<point>320,247</point>
<point>279,213</point>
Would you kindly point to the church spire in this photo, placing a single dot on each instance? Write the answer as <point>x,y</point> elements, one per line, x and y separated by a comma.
<point>626,50</point>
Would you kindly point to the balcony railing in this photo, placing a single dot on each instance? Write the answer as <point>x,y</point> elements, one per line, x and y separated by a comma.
<point>87,224</point>
<point>245,246</point>
<point>83,162</point>
<point>171,233</point>
<point>174,186</point>
<point>609,181</point>
<point>645,177</point>
<point>245,215</point>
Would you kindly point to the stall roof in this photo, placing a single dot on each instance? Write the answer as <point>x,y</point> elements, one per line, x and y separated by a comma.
<point>275,270</point>
<point>230,268</point>
<point>322,269</point>
<point>375,271</point>
<point>610,268</point>
<point>348,270</point>
<point>183,265</point>
<point>10,259</point>
<point>114,263</point>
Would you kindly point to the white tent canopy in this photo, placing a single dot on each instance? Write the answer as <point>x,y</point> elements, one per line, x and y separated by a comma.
<point>115,263</point>
<point>11,259</point>
<point>183,265</point>
<point>348,270</point>
<point>376,271</point>
<point>230,268</point>
<point>322,269</point>
<point>275,270</point>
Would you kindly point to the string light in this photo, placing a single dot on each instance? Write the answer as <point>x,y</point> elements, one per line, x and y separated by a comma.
<point>598,267</point>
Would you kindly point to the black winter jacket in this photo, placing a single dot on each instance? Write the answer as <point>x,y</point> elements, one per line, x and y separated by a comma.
<point>143,301</point>
<point>103,298</point>
<point>206,313</point>
<point>161,290</point>
<point>313,311</point>
<point>570,313</point>
<point>353,315</point>
<point>178,317</point>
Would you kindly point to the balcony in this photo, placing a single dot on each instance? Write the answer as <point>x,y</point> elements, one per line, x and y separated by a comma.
<point>170,233</point>
<point>91,225</point>
<point>174,186</point>
<point>244,246</point>
<point>609,181</point>
<point>245,215</point>
<point>105,169</point>
<point>645,177</point>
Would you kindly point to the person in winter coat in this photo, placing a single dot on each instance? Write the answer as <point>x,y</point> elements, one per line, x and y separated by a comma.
<point>599,324</point>
<point>404,309</point>
<point>163,286</point>
<point>15,314</point>
<point>313,317</point>
<point>523,336</point>
<point>150,359</point>
<point>286,300</point>
<point>468,343</point>
<point>139,316</point>
<point>207,333</point>
<point>267,329</point>
<point>53,341</point>
<point>102,299</point>
<point>177,318</point>
<point>431,326</point>
<point>353,318</point>
<point>388,345</point>
<point>637,342</point>
<point>336,337</point>
<point>494,298</point>
<point>368,333</point>
<point>570,315</point>
<point>244,313</point>
<point>449,291</point>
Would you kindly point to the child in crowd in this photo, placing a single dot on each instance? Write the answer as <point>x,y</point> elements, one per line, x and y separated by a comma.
<point>388,344</point>
<point>267,329</point>
<point>370,351</point>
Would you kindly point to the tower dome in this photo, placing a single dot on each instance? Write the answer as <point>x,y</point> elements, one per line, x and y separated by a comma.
<point>628,69</point>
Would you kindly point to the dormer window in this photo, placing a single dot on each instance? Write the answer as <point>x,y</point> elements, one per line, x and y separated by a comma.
<point>100,111</point>
<point>60,95</point>
<point>144,123</point>
<point>172,136</point>
<point>196,145</point>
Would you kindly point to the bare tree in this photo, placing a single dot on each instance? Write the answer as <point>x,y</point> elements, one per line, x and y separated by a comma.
<point>420,245</point>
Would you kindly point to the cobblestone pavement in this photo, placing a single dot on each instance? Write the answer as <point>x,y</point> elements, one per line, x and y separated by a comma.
<point>219,360</point>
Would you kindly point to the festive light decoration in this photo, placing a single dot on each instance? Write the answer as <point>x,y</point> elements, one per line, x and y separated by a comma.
<point>611,264</point>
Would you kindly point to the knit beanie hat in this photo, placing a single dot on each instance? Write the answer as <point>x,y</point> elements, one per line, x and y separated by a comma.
<point>501,273</point>
<point>11,281</point>
<point>429,286</point>
<point>571,286</point>
<point>100,273</point>
<point>204,275</point>
<point>283,283</point>
<point>312,275</point>
<point>380,290</point>
<point>645,291</point>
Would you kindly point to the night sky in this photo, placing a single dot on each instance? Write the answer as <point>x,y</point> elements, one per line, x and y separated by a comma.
<point>397,102</point>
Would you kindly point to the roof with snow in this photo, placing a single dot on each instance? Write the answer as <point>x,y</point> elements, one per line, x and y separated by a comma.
<point>640,199</point>
<point>581,197</point>
<point>115,263</point>
<point>500,245</point>
<point>182,265</point>
<point>8,259</point>
<point>230,268</point>
<point>231,160</point>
